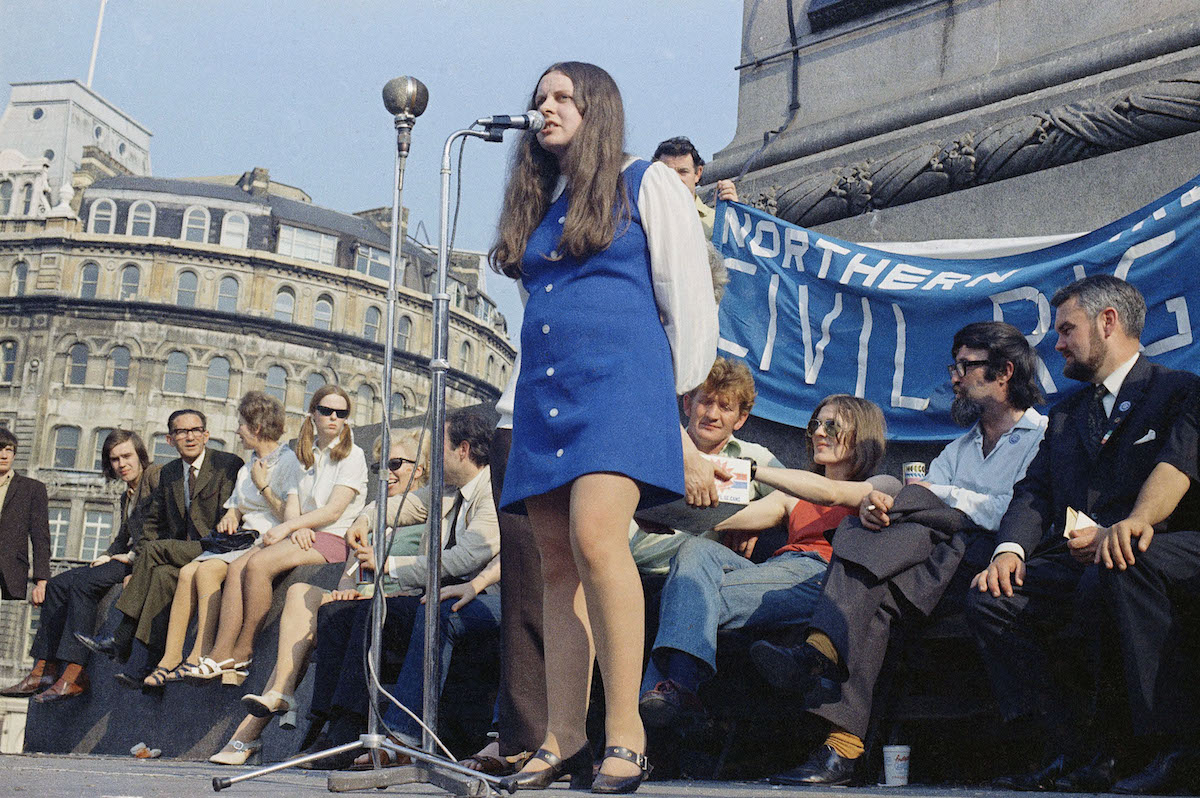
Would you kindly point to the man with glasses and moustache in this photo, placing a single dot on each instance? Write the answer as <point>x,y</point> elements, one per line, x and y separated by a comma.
<point>924,543</point>
<point>186,506</point>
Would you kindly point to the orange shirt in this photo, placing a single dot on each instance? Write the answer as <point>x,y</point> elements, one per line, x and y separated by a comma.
<point>807,525</point>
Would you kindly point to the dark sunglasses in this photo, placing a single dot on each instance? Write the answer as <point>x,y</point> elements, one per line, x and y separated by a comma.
<point>394,464</point>
<point>960,367</point>
<point>329,411</point>
<point>832,428</point>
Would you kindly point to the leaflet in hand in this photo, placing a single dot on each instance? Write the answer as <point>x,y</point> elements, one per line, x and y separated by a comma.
<point>1076,520</point>
<point>737,489</point>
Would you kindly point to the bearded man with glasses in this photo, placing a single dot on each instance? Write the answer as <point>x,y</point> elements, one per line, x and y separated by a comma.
<point>185,507</point>
<point>907,555</point>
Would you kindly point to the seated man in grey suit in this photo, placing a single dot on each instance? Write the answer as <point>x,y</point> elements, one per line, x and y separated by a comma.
<point>186,506</point>
<point>895,564</point>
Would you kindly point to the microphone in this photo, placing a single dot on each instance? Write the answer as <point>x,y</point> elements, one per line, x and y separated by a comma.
<point>530,120</point>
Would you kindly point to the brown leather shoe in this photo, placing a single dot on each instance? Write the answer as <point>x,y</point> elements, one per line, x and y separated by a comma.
<point>63,689</point>
<point>37,681</point>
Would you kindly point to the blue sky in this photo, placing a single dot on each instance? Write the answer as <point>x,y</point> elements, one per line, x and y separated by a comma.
<point>295,86</point>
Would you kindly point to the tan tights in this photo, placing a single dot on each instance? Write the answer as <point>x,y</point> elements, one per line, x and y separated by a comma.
<point>199,590</point>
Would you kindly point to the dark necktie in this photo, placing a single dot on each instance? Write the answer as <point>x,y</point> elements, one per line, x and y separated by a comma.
<point>1097,419</point>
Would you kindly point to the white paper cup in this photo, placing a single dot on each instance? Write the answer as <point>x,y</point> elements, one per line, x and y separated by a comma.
<point>895,765</point>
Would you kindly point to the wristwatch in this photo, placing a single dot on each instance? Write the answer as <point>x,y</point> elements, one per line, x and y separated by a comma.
<point>753,470</point>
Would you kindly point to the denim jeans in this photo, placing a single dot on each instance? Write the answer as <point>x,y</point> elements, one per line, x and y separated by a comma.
<point>711,587</point>
<point>476,617</point>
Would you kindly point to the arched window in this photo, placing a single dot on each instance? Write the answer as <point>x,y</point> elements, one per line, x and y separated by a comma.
<point>235,230</point>
<point>316,381</point>
<point>6,189</point>
<point>8,361</point>
<point>399,405</point>
<point>504,375</point>
<point>285,304</point>
<point>89,281</point>
<point>323,313</point>
<point>403,331</point>
<point>464,356</point>
<point>20,277</point>
<point>27,199</point>
<point>489,371</point>
<point>141,219</point>
<point>217,386</point>
<point>104,213</point>
<point>371,321</point>
<point>227,295</point>
<point>120,366</point>
<point>195,225</point>
<point>176,374</point>
<point>163,452</point>
<point>66,445</point>
<point>77,368</point>
<point>185,290</point>
<point>276,383</point>
<point>364,405</point>
<point>100,435</point>
<point>131,281</point>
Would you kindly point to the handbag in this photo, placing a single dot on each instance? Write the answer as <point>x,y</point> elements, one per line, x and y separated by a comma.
<point>217,543</point>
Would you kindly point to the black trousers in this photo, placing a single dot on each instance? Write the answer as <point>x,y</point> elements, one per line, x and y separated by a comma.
<point>1012,634</point>
<point>70,606</point>
<point>343,634</point>
<point>1155,604</point>
<point>522,698</point>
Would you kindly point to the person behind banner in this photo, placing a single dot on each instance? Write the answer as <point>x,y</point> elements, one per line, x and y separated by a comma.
<point>909,557</point>
<point>684,159</point>
<point>713,587</point>
<point>1101,444</point>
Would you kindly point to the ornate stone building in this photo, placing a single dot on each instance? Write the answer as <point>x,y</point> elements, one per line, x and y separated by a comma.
<point>136,295</point>
<point>908,120</point>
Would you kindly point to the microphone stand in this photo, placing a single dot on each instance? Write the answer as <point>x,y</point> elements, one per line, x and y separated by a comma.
<point>406,98</point>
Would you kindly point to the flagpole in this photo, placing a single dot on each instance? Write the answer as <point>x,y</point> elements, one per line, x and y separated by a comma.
<point>96,44</point>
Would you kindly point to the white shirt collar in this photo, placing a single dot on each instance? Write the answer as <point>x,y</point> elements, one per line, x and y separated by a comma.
<point>471,488</point>
<point>1114,381</point>
<point>198,462</point>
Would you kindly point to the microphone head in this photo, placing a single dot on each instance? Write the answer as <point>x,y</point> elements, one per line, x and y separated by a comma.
<point>405,95</point>
<point>536,121</point>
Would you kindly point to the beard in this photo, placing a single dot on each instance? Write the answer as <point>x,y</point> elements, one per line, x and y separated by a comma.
<point>1084,369</point>
<point>965,411</point>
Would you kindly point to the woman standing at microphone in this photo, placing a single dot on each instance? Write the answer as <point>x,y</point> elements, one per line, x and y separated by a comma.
<point>620,318</point>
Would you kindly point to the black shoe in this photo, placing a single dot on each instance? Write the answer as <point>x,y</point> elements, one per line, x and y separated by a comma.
<point>1038,780</point>
<point>1169,772</point>
<point>668,704</point>
<point>106,645</point>
<point>824,767</point>
<point>800,668</point>
<point>1096,776</point>
<point>604,784</point>
<point>578,766</point>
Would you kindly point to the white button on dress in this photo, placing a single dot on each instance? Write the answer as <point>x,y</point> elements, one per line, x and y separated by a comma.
<point>553,412</point>
<point>545,329</point>
<point>559,453</point>
<point>549,288</point>
<point>550,371</point>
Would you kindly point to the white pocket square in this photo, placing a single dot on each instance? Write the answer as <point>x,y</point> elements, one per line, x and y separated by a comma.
<point>1149,436</point>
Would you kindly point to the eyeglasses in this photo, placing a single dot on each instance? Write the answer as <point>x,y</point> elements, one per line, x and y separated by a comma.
<point>831,427</point>
<point>332,411</point>
<point>960,367</point>
<point>189,432</point>
<point>394,464</point>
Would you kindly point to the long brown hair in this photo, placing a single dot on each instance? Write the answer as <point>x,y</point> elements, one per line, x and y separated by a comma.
<point>308,431</point>
<point>592,166</point>
<point>865,439</point>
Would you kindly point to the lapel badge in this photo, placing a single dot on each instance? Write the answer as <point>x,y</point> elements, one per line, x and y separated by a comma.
<point>1125,406</point>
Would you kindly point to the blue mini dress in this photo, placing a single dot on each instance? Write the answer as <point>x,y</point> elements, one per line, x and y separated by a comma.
<point>596,391</point>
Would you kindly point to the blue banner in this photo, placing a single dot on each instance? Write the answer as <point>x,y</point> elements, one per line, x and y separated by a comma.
<point>814,315</point>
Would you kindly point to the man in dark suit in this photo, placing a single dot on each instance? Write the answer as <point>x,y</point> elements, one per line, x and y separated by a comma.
<point>892,565</point>
<point>24,520</point>
<point>186,506</point>
<point>1151,586</point>
<point>1101,444</point>
<point>71,597</point>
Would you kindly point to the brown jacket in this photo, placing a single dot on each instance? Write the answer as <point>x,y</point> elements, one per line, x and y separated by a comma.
<point>24,519</point>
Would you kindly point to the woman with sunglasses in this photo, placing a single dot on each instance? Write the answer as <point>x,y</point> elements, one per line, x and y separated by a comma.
<point>713,586</point>
<point>619,320</point>
<point>255,506</point>
<point>407,469</point>
<point>318,512</point>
